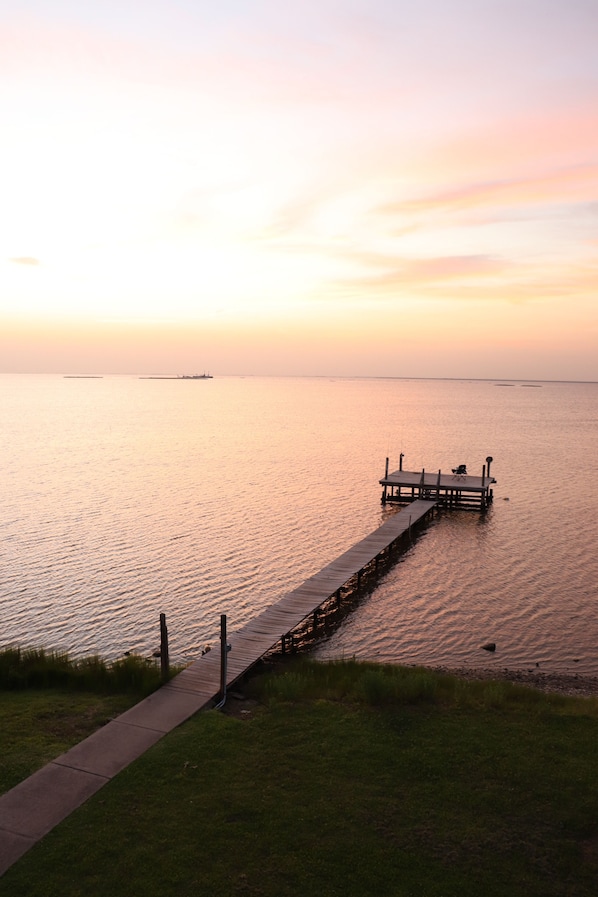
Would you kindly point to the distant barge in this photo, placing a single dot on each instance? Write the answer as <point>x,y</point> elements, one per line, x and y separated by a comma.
<point>181,377</point>
<point>456,489</point>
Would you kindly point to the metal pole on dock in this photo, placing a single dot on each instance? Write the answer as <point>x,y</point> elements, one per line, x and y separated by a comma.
<point>385,477</point>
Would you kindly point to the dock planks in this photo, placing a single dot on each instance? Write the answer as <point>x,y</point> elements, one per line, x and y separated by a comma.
<point>263,632</point>
<point>453,490</point>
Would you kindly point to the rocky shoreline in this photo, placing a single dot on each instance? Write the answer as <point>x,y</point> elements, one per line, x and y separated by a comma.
<point>556,683</point>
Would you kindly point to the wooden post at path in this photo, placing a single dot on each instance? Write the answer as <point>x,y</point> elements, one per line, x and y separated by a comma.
<point>164,660</point>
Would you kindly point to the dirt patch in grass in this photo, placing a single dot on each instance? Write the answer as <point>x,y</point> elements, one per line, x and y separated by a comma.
<point>239,706</point>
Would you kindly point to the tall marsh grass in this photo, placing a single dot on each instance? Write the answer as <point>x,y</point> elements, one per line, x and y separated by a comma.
<point>387,685</point>
<point>362,683</point>
<point>38,668</point>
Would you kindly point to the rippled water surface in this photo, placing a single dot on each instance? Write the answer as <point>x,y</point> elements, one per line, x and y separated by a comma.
<point>123,498</point>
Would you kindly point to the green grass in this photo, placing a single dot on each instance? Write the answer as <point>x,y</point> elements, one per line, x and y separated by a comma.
<point>346,779</point>
<point>36,726</point>
<point>49,702</point>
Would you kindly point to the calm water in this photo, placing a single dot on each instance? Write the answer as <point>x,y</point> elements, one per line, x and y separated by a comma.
<point>123,498</point>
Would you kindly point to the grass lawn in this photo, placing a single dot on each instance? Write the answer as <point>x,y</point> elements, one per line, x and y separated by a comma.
<point>37,725</point>
<point>346,779</point>
<point>50,702</point>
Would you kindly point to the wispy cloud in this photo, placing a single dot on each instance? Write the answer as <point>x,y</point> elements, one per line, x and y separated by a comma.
<point>543,188</point>
<point>25,260</point>
<point>475,279</point>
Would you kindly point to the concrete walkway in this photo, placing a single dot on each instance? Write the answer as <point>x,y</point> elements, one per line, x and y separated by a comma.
<point>34,807</point>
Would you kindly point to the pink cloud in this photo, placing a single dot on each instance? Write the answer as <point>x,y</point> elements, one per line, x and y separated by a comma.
<point>553,186</point>
<point>473,278</point>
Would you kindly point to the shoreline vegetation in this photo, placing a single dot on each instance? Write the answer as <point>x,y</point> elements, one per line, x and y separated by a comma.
<point>325,777</point>
<point>22,668</point>
<point>38,667</point>
<point>339,777</point>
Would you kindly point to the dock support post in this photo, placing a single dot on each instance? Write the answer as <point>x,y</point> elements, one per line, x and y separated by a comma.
<point>164,659</point>
<point>401,456</point>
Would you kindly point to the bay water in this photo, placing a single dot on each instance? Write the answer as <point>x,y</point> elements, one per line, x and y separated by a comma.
<point>125,497</point>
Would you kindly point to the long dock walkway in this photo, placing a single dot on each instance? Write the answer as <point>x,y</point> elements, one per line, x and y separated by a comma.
<point>35,806</point>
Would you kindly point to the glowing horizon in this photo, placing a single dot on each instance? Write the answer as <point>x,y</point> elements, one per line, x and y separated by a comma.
<point>324,189</point>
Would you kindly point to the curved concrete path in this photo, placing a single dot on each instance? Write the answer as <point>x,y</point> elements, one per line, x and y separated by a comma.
<point>34,807</point>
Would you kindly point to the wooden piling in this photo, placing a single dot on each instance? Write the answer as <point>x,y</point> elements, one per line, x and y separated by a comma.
<point>164,659</point>
<point>223,657</point>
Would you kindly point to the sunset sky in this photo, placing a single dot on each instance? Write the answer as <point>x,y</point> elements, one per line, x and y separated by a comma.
<point>340,187</point>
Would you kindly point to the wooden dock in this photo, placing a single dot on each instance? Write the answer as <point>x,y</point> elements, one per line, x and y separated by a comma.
<point>274,626</point>
<point>453,490</point>
<point>36,805</point>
